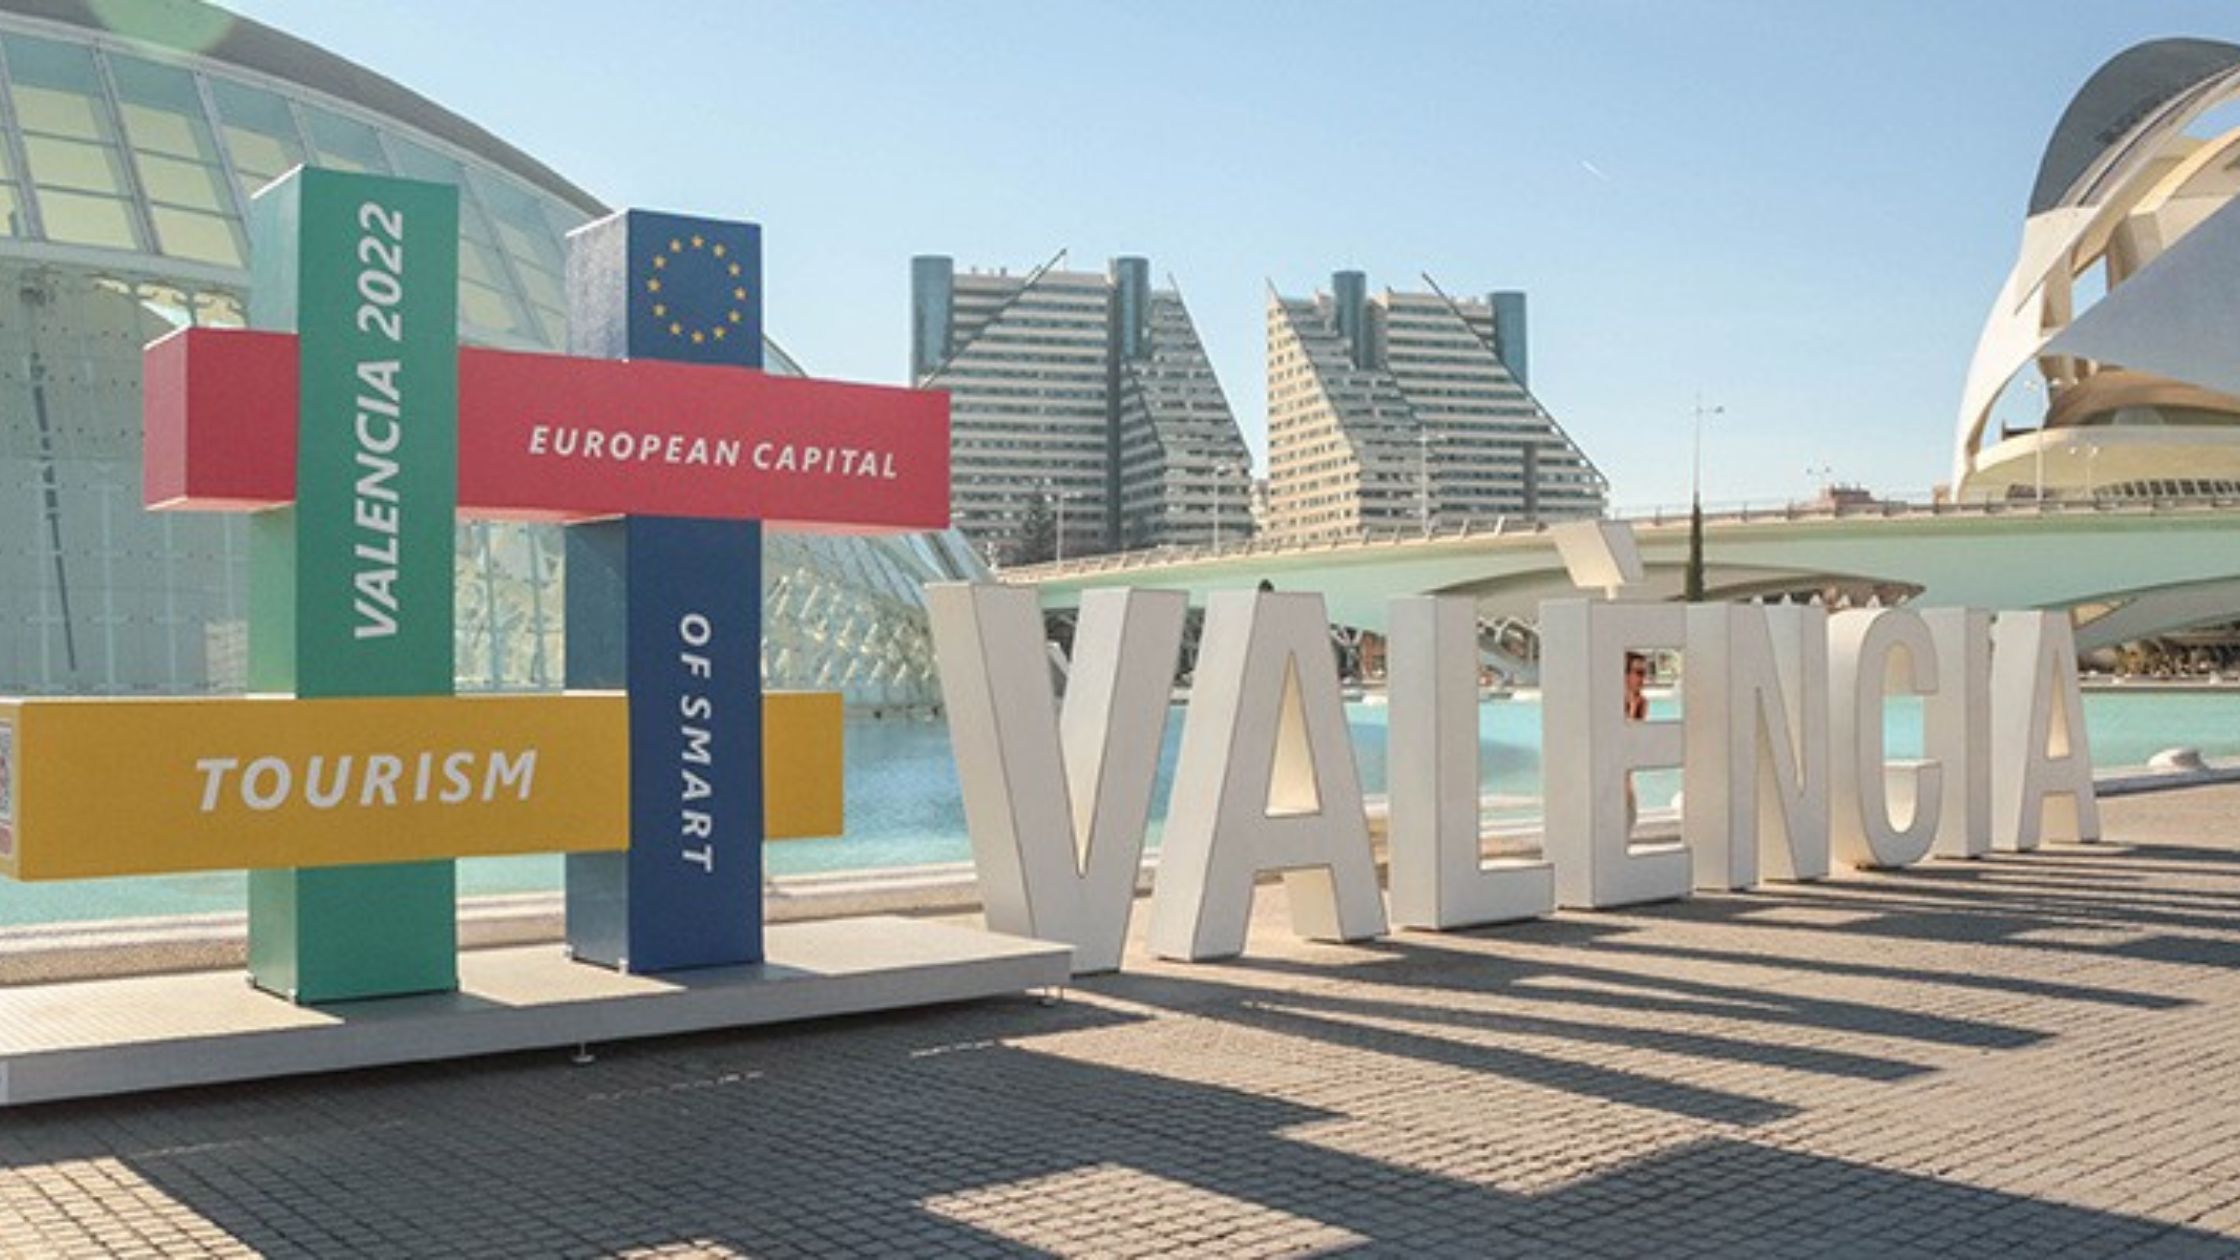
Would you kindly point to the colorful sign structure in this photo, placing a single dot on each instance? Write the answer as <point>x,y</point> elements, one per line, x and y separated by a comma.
<point>356,431</point>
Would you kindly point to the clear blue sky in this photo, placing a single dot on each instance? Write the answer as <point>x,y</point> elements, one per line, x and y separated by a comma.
<point>1799,209</point>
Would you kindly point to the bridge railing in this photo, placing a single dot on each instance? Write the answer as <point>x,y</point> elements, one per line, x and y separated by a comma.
<point>1651,517</point>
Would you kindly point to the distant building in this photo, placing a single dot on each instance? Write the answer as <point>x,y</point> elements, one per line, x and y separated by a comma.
<point>1082,396</point>
<point>1410,410</point>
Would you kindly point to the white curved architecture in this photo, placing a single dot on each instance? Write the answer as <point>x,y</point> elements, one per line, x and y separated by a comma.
<point>2123,571</point>
<point>2135,394</point>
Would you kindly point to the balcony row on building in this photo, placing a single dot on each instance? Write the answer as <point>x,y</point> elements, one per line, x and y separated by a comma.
<point>1086,416</point>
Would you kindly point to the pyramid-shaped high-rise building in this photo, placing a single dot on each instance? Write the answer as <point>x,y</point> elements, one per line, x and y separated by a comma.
<point>1410,411</point>
<point>1085,396</point>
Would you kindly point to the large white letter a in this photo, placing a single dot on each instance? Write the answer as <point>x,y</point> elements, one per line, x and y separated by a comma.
<point>1265,781</point>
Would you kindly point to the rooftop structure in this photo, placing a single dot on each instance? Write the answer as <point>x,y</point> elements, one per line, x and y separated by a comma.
<point>1410,410</point>
<point>1084,413</point>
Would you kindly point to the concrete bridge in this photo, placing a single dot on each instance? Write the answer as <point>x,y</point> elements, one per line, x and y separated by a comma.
<point>2125,569</point>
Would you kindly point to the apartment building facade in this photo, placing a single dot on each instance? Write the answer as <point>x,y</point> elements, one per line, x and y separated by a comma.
<point>1409,411</point>
<point>1083,397</point>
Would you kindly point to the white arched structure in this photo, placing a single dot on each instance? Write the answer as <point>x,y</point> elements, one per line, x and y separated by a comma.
<point>2123,571</point>
<point>2137,394</point>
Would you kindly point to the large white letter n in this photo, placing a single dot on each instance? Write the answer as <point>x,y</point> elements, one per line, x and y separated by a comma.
<point>1057,804</point>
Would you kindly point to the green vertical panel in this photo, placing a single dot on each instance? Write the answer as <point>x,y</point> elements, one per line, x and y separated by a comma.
<point>378,441</point>
<point>352,587</point>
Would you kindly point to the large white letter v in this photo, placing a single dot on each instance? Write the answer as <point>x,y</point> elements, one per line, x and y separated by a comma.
<point>1057,803</point>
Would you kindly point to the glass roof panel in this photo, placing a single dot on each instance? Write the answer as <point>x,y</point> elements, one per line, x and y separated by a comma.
<point>478,264</point>
<point>417,161</point>
<point>485,307</point>
<point>209,238</point>
<point>544,289</point>
<point>157,131</point>
<point>259,160</point>
<point>56,91</point>
<point>81,219</point>
<point>522,226</point>
<point>260,132</point>
<point>344,143</point>
<point>73,164</point>
<point>189,184</point>
<point>11,212</point>
<point>162,111</point>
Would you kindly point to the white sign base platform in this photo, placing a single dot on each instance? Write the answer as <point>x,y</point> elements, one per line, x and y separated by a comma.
<point>117,1036</point>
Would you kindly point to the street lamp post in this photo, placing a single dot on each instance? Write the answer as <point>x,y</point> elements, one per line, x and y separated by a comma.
<point>1694,581</point>
<point>1695,481</point>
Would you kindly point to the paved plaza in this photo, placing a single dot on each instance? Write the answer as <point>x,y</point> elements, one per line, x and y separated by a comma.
<point>2032,1056</point>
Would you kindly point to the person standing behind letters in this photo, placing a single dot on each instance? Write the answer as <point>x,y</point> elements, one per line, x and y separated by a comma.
<point>1637,710</point>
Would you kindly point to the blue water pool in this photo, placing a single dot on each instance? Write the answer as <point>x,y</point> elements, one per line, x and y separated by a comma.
<point>904,808</point>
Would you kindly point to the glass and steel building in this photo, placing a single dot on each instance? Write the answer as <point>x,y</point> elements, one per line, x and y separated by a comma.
<point>127,158</point>
<point>1410,411</point>
<point>1086,396</point>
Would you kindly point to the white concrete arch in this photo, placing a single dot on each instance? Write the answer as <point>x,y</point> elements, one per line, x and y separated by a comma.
<point>2139,570</point>
<point>2120,186</point>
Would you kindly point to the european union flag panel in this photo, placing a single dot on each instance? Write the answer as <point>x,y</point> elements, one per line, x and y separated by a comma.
<point>688,892</point>
<point>646,285</point>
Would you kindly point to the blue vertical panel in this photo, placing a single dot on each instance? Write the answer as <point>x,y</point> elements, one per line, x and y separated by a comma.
<point>671,610</point>
<point>695,655</point>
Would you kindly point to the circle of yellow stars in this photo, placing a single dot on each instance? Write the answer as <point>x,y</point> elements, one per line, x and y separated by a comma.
<point>683,248</point>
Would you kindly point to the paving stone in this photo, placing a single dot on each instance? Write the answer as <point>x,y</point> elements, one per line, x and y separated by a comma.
<point>2030,1055</point>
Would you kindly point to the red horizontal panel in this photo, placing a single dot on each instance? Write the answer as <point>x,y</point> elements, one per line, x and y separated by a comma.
<point>547,437</point>
<point>542,435</point>
<point>219,412</point>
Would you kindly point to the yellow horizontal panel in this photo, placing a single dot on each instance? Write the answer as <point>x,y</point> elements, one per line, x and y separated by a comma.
<point>801,765</point>
<point>143,787</point>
